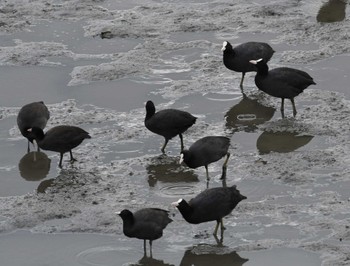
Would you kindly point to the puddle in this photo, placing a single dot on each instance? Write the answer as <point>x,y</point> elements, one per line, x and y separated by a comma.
<point>121,4</point>
<point>71,33</point>
<point>178,190</point>
<point>338,80</point>
<point>281,142</point>
<point>169,172</point>
<point>332,11</point>
<point>128,149</point>
<point>247,114</point>
<point>221,97</point>
<point>186,55</point>
<point>282,256</point>
<point>24,248</point>
<point>47,84</point>
<point>34,166</point>
<point>193,36</point>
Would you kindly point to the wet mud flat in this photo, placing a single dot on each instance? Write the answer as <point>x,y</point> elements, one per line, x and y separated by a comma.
<point>295,172</point>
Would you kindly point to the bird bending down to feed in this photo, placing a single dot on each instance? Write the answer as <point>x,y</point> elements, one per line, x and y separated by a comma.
<point>212,204</point>
<point>60,139</point>
<point>205,151</point>
<point>31,115</point>
<point>237,58</point>
<point>281,82</point>
<point>146,224</point>
<point>168,122</point>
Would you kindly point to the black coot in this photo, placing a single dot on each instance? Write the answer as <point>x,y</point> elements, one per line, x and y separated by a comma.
<point>237,58</point>
<point>168,123</point>
<point>210,205</point>
<point>60,139</point>
<point>205,151</point>
<point>281,82</point>
<point>146,224</point>
<point>31,115</point>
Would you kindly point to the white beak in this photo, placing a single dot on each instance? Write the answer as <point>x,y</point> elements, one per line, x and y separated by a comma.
<point>176,203</point>
<point>224,46</point>
<point>255,61</point>
<point>181,158</point>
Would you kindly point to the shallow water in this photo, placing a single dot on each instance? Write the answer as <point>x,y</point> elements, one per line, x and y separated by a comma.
<point>294,171</point>
<point>23,248</point>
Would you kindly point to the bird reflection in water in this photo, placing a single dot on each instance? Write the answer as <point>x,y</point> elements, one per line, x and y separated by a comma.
<point>34,166</point>
<point>206,255</point>
<point>332,11</point>
<point>247,115</point>
<point>167,169</point>
<point>149,261</point>
<point>281,142</point>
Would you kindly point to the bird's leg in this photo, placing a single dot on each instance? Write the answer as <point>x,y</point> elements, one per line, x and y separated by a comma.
<point>182,142</point>
<point>224,182</point>
<point>206,169</point>
<point>34,143</point>
<point>294,109</point>
<point>71,157</point>
<point>60,163</point>
<point>216,228</point>
<point>222,226</point>
<point>163,148</point>
<point>222,229</point>
<point>224,166</point>
<point>282,107</point>
<point>144,248</point>
<point>219,241</point>
<point>150,249</point>
<point>241,84</point>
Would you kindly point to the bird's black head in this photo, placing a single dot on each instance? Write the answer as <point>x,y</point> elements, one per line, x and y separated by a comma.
<point>27,132</point>
<point>226,47</point>
<point>36,133</point>
<point>126,215</point>
<point>181,205</point>
<point>184,208</point>
<point>238,194</point>
<point>150,108</point>
<point>261,66</point>
<point>185,156</point>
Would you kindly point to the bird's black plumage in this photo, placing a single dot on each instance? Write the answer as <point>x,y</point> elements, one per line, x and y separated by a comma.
<point>205,151</point>
<point>281,82</point>
<point>146,224</point>
<point>60,139</point>
<point>237,58</point>
<point>168,122</point>
<point>31,115</point>
<point>210,205</point>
